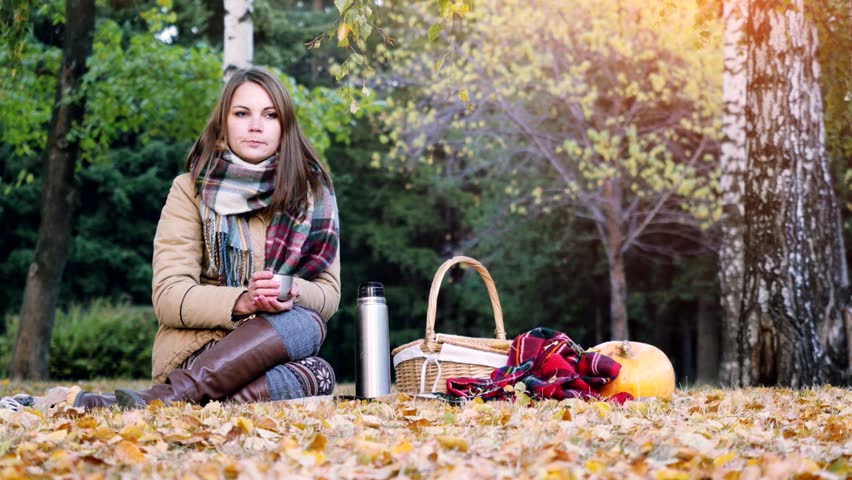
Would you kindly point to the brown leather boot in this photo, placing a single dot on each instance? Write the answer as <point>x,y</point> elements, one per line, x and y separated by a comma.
<point>256,391</point>
<point>88,401</point>
<point>240,358</point>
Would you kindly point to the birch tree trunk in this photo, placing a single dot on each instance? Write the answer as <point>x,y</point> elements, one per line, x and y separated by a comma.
<point>794,263</point>
<point>239,36</point>
<point>733,161</point>
<point>58,195</point>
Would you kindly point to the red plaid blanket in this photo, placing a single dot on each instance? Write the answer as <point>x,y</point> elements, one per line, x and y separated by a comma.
<point>551,365</point>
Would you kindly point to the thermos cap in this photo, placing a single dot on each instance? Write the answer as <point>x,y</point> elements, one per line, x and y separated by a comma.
<point>371,289</point>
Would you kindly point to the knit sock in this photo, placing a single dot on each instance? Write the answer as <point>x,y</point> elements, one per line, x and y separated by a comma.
<point>307,377</point>
<point>301,330</point>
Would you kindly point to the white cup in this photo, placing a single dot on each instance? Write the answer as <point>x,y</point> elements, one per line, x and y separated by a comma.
<point>286,283</point>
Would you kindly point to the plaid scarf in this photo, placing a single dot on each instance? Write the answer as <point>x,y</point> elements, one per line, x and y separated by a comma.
<point>551,365</point>
<point>302,246</point>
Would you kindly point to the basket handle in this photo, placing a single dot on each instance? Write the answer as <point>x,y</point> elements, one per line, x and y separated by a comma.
<point>432,307</point>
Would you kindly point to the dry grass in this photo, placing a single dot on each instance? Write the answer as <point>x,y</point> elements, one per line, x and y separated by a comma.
<point>701,433</point>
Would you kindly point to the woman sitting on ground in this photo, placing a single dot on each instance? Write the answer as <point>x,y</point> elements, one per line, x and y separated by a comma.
<point>255,200</point>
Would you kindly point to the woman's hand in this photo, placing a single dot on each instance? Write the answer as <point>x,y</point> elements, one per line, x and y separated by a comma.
<point>262,296</point>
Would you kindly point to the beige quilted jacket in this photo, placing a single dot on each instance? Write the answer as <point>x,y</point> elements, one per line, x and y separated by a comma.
<point>191,309</point>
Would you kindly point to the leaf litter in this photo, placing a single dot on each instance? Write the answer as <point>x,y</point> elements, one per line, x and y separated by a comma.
<point>755,433</point>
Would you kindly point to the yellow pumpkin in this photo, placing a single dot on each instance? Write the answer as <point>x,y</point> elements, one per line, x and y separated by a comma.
<point>645,370</point>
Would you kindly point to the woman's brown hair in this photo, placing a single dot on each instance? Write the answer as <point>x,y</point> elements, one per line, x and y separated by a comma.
<point>298,165</point>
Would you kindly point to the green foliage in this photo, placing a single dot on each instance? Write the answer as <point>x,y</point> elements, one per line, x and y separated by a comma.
<point>101,340</point>
<point>120,202</point>
<point>443,191</point>
<point>171,104</point>
<point>389,233</point>
<point>175,102</point>
<point>605,112</point>
<point>147,101</point>
<point>281,30</point>
<point>834,23</point>
<point>398,229</point>
<point>118,207</point>
<point>138,86</point>
<point>26,102</point>
<point>545,277</point>
<point>13,26</point>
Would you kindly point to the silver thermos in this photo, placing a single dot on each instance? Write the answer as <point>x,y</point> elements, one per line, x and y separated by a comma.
<point>372,346</point>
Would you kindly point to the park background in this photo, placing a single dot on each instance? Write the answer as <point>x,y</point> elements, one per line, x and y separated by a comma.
<point>414,187</point>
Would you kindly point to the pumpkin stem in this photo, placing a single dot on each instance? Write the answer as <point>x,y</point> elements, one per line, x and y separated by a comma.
<point>625,349</point>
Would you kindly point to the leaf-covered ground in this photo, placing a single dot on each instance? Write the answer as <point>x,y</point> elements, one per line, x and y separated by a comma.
<point>702,433</point>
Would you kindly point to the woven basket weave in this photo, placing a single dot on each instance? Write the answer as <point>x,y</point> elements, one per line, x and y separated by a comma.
<point>423,366</point>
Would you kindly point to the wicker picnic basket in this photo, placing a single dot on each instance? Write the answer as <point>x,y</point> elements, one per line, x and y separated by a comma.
<point>423,366</point>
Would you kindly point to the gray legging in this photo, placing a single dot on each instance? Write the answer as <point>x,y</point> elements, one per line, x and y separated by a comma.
<point>302,332</point>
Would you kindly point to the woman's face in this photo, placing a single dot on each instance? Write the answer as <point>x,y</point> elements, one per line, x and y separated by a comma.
<point>254,129</point>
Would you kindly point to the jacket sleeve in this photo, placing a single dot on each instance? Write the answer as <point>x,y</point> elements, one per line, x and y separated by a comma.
<point>179,298</point>
<point>322,294</point>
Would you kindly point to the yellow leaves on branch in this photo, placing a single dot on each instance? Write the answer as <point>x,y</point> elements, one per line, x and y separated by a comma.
<point>448,8</point>
<point>460,8</point>
<point>343,34</point>
<point>604,93</point>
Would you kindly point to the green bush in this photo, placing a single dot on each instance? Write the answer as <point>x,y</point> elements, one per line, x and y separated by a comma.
<point>101,340</point>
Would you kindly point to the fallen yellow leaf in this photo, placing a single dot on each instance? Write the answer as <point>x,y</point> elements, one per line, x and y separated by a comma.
<point>245,425</point>
<point>403,397</point>
<point>57,436</point>
<point>86,422</point>
<point>594,466</point>
<point>127,452</point>
<point>402,447</point>
<point>558,473</point>
<point>132,432</point>
<point>723,459</point>
<point>318,443</point>
<point>452,443</point>
<point>602,408</point>
<point>670,474</point>
<point>103,434</point>
<point>562,414</point>
<point>34,412</point>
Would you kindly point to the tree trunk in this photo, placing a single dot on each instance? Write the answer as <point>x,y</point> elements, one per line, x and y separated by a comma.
<point>239,35</point>
<point>44,279</point>
<point>618,299</point>
<point>732,161</point>
<point>794,263</point>
<point>707,334</point>
<point>613,241</point>
<point>847,326</point>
